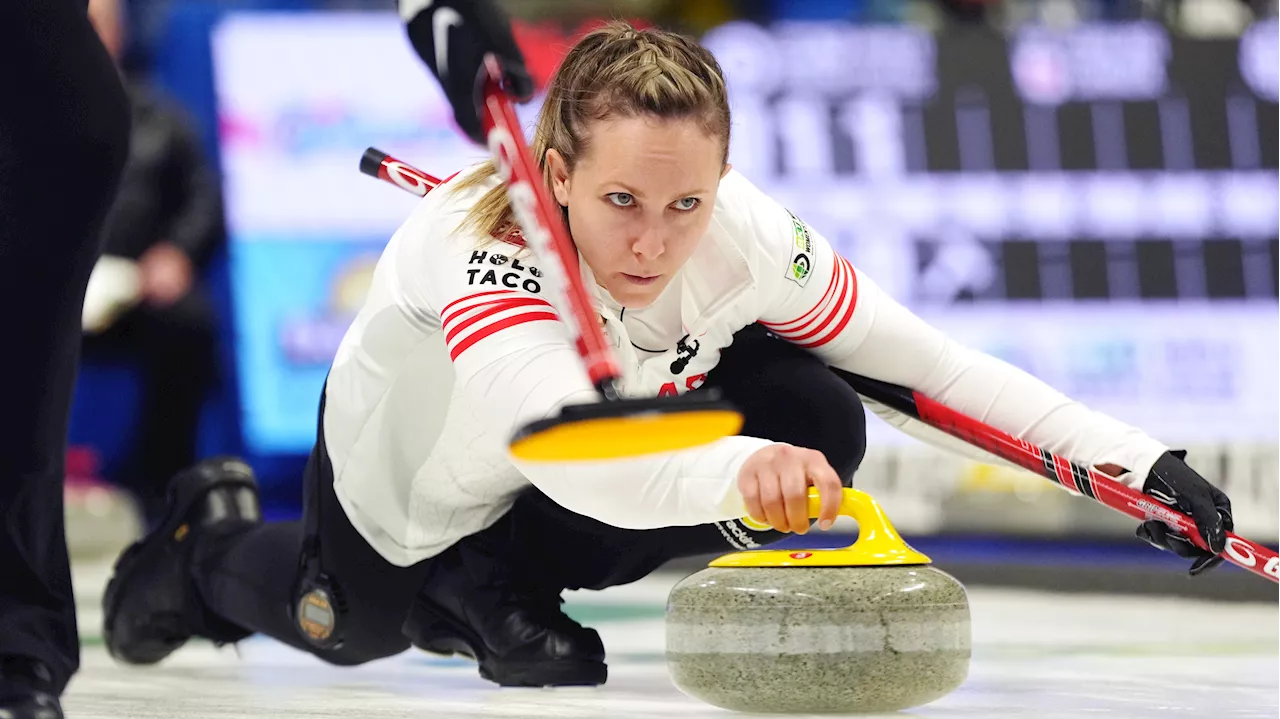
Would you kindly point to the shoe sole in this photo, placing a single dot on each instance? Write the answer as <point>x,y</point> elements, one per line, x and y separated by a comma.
<point>181,497</point>
<point>453,638</point>
<point>557,673</point>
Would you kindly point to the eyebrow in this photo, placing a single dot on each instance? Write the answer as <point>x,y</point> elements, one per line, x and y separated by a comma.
<point>636,193</point>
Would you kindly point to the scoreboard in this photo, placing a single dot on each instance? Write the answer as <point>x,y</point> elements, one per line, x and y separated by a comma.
<point>1107,162</point>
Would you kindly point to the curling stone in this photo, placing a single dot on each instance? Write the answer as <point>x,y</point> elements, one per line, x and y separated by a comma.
<point>868,628</point>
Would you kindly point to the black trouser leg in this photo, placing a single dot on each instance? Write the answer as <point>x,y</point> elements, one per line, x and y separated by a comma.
<point>786,395</point>
<point>249,578</point>
<point>64,134</point>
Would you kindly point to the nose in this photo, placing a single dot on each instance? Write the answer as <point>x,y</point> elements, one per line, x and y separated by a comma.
<point>649,244</point>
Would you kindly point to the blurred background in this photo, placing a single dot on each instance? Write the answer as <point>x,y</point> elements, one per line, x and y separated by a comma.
<point>1085,188</point>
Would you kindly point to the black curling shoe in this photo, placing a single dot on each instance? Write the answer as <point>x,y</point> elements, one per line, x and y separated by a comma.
<point>151,606</point>
<point>26,690</point>
<point>476,605</point>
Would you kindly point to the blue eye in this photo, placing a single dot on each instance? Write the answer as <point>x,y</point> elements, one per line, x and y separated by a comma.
<point>687,203</point>
<point>621,199</point>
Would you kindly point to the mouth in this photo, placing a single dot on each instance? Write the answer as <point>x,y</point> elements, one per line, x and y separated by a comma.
<point>641,279</point>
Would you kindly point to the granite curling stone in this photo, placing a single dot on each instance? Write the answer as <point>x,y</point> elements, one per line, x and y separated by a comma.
<point>870,628</point>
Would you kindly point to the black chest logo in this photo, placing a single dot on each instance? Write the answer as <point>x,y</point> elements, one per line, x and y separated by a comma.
<point>684,353</point>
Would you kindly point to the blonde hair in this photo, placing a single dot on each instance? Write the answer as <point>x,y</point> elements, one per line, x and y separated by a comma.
<point>615,71</point>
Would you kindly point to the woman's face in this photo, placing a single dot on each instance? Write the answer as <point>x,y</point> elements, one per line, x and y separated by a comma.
<point>639,200</point>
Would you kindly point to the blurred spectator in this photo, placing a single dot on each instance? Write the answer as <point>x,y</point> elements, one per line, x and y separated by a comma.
<point>968,11</point>
<point>165,224</point>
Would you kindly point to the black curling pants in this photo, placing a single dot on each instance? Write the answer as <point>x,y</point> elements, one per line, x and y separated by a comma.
<point>64,135</point>
<point>786,395</point>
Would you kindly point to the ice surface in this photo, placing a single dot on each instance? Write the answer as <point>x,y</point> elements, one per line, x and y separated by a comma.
<point>1035,655</point>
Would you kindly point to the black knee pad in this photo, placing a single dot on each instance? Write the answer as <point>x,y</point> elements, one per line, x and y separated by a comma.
<point>837,425</point>
<point>846,448</point>
<point>789,394</point>
<point>846,445</point>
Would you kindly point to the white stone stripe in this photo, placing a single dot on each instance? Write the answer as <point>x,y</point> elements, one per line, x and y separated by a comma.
<point>946,633</point>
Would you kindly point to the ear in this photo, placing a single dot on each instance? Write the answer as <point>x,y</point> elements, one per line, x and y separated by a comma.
<point>727,167</point>
<point>559,176</point>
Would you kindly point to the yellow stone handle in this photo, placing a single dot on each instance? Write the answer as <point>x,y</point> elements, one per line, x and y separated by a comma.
<point>878,542</point>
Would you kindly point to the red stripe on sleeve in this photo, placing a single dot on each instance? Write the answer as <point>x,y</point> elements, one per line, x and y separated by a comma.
<point>805,318</point>
<point>474,337</point>
<point>449,306</point>
<point>830,312</point>
<point>491,308</point>
<point>848,313</point>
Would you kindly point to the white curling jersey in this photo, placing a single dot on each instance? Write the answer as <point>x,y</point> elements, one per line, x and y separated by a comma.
<point>457,346</point>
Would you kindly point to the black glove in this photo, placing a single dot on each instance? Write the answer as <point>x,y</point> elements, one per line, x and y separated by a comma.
<point>1173,483</point>
<point>452,37</point>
